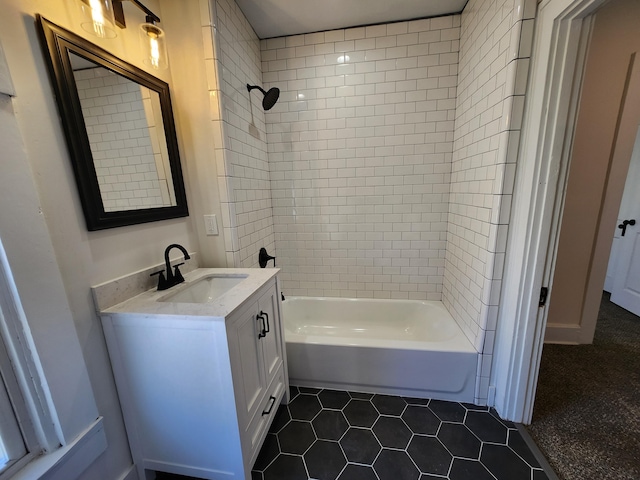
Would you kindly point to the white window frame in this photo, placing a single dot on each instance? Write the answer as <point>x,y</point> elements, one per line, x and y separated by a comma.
<point>27,397</point>
<point>18,445</point>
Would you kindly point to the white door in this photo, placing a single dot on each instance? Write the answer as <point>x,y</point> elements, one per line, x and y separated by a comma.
<point>625,253</point>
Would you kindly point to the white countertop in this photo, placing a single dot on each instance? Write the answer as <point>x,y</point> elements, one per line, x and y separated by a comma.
<point>149,303</point>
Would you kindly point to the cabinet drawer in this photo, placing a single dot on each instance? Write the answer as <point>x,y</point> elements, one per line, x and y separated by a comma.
<point>260,423</point>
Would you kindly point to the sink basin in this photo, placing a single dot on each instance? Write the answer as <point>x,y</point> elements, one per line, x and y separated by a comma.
<point>205,290</point>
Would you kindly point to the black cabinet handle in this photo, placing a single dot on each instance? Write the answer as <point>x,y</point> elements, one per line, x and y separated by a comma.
<point>272,399</point>
<point>624,224</point>
<point>266,315</point>
<point>263,332</point>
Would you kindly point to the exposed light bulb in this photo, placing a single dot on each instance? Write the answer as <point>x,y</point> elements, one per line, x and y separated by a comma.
<point>152,38</point>
<point>155,52</point>
<point>99,18</point>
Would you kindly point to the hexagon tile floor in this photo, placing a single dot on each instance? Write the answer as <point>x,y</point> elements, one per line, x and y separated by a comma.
<point>338,435</point>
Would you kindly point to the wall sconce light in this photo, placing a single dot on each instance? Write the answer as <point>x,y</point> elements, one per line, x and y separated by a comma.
<point>98,18</point>
<point>151,36</point>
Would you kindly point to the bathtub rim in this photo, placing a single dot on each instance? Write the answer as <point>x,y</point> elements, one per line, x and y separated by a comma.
<point>459,343</point>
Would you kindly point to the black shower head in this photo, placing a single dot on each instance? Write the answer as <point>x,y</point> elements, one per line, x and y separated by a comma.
<point>270,97</point>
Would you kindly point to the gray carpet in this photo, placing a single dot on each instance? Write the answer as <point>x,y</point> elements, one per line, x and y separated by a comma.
<point>586,419</point>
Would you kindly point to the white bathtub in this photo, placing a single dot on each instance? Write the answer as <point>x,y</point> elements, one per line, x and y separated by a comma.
<point>398,347</point>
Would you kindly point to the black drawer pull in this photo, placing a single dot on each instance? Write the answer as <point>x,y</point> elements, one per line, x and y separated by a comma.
<point>272,399</point>
<point>263,332</point>
<point>266,315</point>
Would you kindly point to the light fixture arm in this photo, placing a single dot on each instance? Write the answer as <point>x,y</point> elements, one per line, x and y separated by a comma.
<point>118,13</point>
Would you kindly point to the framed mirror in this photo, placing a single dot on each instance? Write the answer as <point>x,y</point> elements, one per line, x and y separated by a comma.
<point>118,124</point>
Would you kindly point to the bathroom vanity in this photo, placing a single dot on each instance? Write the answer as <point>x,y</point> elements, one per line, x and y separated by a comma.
<point>200,370</point>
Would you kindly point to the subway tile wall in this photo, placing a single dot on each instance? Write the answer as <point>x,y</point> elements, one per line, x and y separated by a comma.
<point>123,149</point>
<point>360,149</point>
<point>391,155</point>
<point>495,46</point>
<point>233,52</point>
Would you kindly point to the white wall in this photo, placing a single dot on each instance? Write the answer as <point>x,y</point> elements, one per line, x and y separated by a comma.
<point>360,155</point>
<point>83,258</point>
<point>596,177</point>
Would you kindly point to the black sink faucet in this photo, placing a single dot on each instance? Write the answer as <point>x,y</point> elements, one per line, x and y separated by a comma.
<point>175,277</point>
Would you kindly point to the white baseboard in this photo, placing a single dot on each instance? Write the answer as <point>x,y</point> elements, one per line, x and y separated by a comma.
<point>130,474</point>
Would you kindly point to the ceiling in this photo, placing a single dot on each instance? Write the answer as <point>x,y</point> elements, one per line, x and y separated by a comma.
<point>277,18</point>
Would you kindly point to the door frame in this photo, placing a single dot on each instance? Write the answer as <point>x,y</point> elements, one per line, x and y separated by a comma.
<point>557,63</point>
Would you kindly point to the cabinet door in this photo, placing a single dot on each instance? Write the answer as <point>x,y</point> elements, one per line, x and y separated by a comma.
<point>271,342</point>
<point>249,356</point>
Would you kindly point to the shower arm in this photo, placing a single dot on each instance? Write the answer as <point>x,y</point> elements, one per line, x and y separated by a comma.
<point>252,87</point>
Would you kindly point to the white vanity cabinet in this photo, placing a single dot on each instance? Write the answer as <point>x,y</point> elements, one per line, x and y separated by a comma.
<point>255,347</point>
<point>199,392</point>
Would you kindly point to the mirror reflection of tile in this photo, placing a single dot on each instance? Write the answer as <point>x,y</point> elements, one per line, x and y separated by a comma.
<point>129,152</point>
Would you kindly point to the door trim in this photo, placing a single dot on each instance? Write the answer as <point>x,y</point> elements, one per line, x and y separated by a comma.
<point>542,164</point>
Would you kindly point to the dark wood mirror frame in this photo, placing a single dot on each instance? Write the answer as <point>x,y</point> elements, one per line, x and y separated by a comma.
<point>58,43</point>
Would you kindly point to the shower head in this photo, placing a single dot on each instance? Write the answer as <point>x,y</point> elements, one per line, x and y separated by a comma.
<point>270,97</point>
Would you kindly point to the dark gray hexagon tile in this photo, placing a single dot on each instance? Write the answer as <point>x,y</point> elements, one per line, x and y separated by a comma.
<point>459,440</point>
<point>540,475</point>
<point>506,423</point>
<point>429,455</point>
<point>310,390</point>
<point>293,392</point>
<point>421,420</point>
<point>286,467</point>
<point>360,445</point>
<point>360,413</point>
<point>330,425</point>
<point>388,404</point>
<point>503,463</point>
<point>518,445</point>
<point>392,432</point>
<point>296,437</point>
<point>325,460</point>
<point>334,399</point>
<point>269,451</point>
<point>281,418</point>
<point>350,430</point>
<point>463,469</point>
<point>448,411</point>
<point>357,472</point>
<point>486,427</point>
<point>416,401</point>
<point>304,407</point>
<point>361,395</point>
<point>395,465</point>
<point>475,408</point>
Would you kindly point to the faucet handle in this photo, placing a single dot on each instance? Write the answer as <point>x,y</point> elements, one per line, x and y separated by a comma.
<point>177,275</point>
<point>264,257</point>
<point>162,281</point>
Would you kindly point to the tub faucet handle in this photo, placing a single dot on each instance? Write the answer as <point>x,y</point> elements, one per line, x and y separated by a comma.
<point>264,257</point>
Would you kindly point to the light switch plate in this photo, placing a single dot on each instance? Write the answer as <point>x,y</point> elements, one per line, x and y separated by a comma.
<point>211,225</point>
